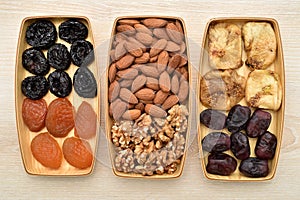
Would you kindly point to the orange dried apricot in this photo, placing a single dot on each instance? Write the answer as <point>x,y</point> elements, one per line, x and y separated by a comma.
<point>46,150</point>
<point>85,121</point>
<point>77,152</point>
<point>60,118</point>
<point>34,114</point>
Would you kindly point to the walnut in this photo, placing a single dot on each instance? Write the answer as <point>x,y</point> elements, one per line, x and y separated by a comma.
<point>124,160</point>
<point>170,169</point>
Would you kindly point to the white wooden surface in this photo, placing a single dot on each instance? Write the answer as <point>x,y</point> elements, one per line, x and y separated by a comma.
<point>102,184</point>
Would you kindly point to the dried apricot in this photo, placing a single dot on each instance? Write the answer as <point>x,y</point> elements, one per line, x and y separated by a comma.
<point>85,121</point>
<point>34,114</point>
<point>60,118</point>
<point>77,152</point>
<point>46,150</point>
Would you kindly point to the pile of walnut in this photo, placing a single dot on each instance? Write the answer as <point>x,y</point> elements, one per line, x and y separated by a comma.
<point>151,145</point>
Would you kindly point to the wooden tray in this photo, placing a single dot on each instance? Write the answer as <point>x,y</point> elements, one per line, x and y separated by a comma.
<point>109,120</point>
<point>276,126</point>
<point>32,166</point>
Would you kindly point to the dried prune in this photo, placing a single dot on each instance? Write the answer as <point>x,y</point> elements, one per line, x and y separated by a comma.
<point>85,83</point>
<point>213,119</point>
<point>240,145</point>
<point>72,30</point>
<point>41,34</point>
<point>46,150</point>
<point>266,146</point>
<point>254,167</point>
<point>82,53</point>
<point>77,152</point>
<point>60,83</point>
<point>59,57</point>
<point>216,142</point>
<point>237,118</point>
<point>34,114</point>
<point>35,87</point>
<point>60,117</point>
<point>35,62</point>
<point>258,123</point>
<point>221,164</point>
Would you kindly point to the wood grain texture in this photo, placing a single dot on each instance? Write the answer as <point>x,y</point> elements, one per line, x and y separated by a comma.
<point>16,184</point>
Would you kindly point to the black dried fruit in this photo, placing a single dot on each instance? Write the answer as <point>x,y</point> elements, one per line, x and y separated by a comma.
<point>221,164</point>
<point>240,146</point>
<point>85,83</point>
<point>213,119</point>
<point>35,62</point>
<point>59,57</point>
<point>237,118</point>
<point>82,53</point>
<point>258,123</point>
<point>266,146</point>
<point>72,30</point>
<point>60,83</point>
<point>35,87</point>
<point>41,34</point>
<point>254,167</point>
<point>216,142</point>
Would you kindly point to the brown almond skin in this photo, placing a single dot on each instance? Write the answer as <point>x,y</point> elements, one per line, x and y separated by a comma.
<point>113,91</point>
<point>158,47</point>
<point>130,22</point>
<point>152,83</point>
<point>170,102</point>
<point>172,47</point>
<point>138,83</point>
<point>150,71</point>
<point>155,111</point>
<point>183,91</point>
<point>112,72</point>
<point>125,62</point>
<point>165,82</point>
<point>140,106</point>
<point>120,50</point>
<point>162,61</point>
<point>143,59</point>
<point>143,29</point>
<point>179,26</point>
<point>126,29</point>
<point>183,61</point>
<point>160,97</point>
<point>128,96</point>
<point>132,114</point>
<point>137,43</point>
<point>175,84</point>
<point>145,94</point>
<point>174,33</point>
<point>153,59</point>
<point>144,38</point>
<point>161,33</point>
<point>154,22</point>
<point>118,107</point>
<point>125,83</point>
<point>134,49</point>
<point>128,73</point>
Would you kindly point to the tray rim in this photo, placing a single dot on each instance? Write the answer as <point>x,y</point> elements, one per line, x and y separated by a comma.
<point>107,127</point>
<point>27,170</point>
<point>276,28</point>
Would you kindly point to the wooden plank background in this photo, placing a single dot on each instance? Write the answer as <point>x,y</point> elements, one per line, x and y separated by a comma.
<point>16,184</point>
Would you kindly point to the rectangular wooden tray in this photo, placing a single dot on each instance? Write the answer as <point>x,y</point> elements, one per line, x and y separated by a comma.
<point>109,121</point>
<point>276,126</point>
<point>31,165</point>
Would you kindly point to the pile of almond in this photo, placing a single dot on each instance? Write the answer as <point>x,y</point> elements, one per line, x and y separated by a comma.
<point>149,68</point>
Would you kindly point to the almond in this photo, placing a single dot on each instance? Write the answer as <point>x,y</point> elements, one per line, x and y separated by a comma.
<point>174,33</point>
<point>144,38</point>
<point>137,43</point>
<point>126,29</point>
<point>143,29</point>
<point>154,22</point>
<point>133,49</point>
<point>150,71</point>
<point>155,111</point>
<point>128,96</point>
<point>143,59</point>
<point>153,59</point>
<point>125,62</point>
<point>152,83</point>
<point>162,61</point>
<point>172,47</point>
<point>146,102</point>
<point>174,62</point>
<point>164,82</point>
<point>158,47</point>
<point>182,48</point>
<point>138,83</point>
<point>119,37</point>
<point>161,33</point>
<point>131,106</point>
<point>113,91</point>
<point>160,97</point>
<point>132,114</point>
<point>126,83</point>
<point>140,106</point>
<point>170,102</point>
<point>112,55</point>
<point>120,50</point>
<point>184,75</point>
<point>145,94</point>
<point>130,22</point>
<point>175,84</point>
<point>112,72</point>
<point>118,107</point>
<point>183,61</point>
<point>183,91</point>
<point>129,73</point>
<point>179,26</point>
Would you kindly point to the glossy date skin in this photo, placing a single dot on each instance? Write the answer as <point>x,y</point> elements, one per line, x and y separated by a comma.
<point>216,142</point>
<point>254,167</point>
<point>259,123</point>
<point>266,146</point>
<point>240,146</point>
<point>221,164</point>
<point>238,117</point>
<point>213,119</point>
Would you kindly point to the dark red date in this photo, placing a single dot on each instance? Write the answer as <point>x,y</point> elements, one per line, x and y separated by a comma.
<point>266,146</point>
<point>213,119</point>
<point>221,164</point>
<point>259,123</point>
<point>216,142</point>
<point>240,145</point>
<point>238,117</point>
<point>254,167</point>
